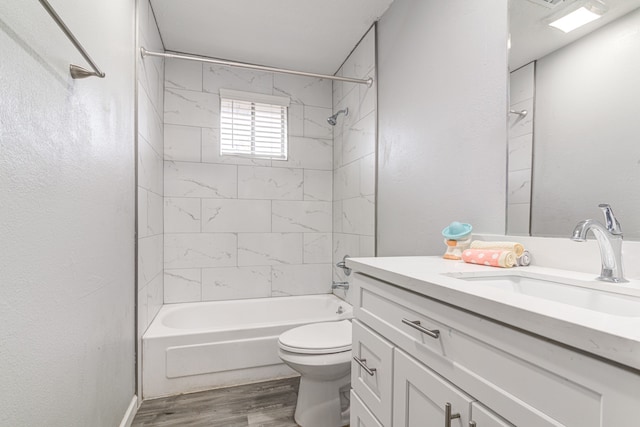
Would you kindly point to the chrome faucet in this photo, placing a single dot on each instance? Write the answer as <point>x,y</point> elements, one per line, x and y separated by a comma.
<point>340,285</point>
<point>609,238</point>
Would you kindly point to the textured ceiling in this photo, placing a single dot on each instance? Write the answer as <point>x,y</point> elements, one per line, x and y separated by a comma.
<point>307,35</point>
<point>532,38</point>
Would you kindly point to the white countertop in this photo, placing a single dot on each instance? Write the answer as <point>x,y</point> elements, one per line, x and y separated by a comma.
<point>614,337</point>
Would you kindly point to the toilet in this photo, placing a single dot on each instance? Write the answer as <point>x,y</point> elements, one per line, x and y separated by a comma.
<point>321,354</point>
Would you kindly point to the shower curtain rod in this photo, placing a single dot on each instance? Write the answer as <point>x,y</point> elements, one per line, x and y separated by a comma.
<point>177,55</point>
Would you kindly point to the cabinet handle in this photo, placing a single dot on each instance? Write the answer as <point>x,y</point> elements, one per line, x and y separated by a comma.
<point>363,365</point>
<point>415,324</point>
<point>448,416</point>
<point>472,424</point>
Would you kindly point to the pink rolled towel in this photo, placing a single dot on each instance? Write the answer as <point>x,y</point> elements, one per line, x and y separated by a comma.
<point>491,257</point>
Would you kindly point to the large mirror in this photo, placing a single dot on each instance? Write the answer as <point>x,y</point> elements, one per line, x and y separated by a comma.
<point>574,121</point>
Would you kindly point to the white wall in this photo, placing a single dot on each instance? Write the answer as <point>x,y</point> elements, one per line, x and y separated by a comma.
<point>442,97</point>
<point>66,217</point>
<point>150,142</point>
<point>586,147</point>
<point>354,158</point>
<point>244,228</point>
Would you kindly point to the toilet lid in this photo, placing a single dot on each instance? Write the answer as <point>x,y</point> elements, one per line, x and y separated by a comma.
<point>318,338</point>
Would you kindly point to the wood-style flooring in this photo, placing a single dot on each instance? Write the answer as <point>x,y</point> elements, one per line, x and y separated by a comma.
<point>266,404</point>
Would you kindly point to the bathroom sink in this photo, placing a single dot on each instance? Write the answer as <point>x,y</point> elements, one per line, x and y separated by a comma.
<point>561,290</point>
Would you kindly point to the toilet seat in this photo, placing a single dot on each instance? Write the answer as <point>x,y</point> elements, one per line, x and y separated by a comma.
<point>318,338</point>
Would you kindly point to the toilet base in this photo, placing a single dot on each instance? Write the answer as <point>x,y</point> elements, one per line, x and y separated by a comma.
<point>319,403</point>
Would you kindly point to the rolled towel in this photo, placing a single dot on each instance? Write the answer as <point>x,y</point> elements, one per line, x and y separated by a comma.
<point>492,257</point>
<point>524,259</point>
<point>506,246</point>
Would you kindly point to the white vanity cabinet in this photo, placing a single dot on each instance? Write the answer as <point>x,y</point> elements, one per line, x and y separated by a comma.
<point>423,355</point>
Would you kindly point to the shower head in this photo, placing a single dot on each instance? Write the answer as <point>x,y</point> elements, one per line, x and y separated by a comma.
<point>333,119</point>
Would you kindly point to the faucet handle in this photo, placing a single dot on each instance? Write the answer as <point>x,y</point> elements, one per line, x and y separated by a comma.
<point>610,220</point>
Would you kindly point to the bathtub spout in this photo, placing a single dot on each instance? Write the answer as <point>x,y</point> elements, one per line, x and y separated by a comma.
<point>340,285</point>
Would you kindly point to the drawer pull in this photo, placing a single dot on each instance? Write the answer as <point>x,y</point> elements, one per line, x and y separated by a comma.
<point>415,324</point>
<point>448,416</point>
<point>363,365</point>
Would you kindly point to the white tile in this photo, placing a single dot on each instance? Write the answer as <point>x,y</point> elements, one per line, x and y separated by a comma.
<point>337,150</point>
<point>317,248</point>
<point>519,186</point>
<point>518,219</point>
<point>143,206</point>
<point>346,181</point>
<point>315,122</point>
<point>521,84</point>
<point>149,122</point>
<point>359,140</point>
<point>367,97</point>
<point>152,83</point>
<point>344,244</point>
<point>199,250</point>
<point>211,151</point>
<point>181,74</point>
<point>520,152</point>
<point>337,216</point>
<point>155,214</point>
<point>236,283</point>
<point>519,125</point>
<point>182,143</point>
<point>368,175</point>
<point>358,215</point>
<point>182,285</point>
<point>150,168</point>
<point>351,100</point>
<point>270,183</point>
<point>184,179</point>
<point>269,248</point>
<point>302,216</point>
<point>295,120</point>
<point>236,215</point>
<point>143,322</point>
<point>362,59</point>
<point>181,215</point>
<point>308,153</point>
<point>154,294</point>
<point>217,77</point>
<point>190,108</point>
<point>149,258</point>
<point>303,90</point>
<point>317,185</point>
<point>367,246</point>
<point>306,279</point>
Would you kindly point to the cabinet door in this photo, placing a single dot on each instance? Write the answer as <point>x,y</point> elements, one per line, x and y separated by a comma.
<point>485,417</point>
<point>360,415</point>
<point>373,384</point>
<point>420,396</point>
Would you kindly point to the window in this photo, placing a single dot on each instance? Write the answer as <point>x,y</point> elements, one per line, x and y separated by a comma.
<point>253,124</point>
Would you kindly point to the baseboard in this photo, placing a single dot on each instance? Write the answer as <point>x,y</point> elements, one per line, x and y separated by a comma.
<point>127,420</point>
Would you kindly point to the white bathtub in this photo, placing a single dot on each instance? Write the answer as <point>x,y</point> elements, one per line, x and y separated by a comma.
<point>197,346</point>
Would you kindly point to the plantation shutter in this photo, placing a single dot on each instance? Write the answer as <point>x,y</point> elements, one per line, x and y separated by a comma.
<point>253,124</point>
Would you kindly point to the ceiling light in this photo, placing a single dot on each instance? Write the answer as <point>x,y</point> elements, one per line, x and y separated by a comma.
<point>585,13</point>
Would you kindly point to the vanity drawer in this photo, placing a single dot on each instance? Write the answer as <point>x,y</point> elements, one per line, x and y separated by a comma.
<point>527,380</point>
<point>360,415</point>
<point>372,371</point>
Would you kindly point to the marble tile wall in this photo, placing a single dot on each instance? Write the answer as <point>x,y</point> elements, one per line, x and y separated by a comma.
<point>150,101</point>
<point>237,227</point>
<point>150,226</point>
<point>354,159</point>
<point>520,151</point>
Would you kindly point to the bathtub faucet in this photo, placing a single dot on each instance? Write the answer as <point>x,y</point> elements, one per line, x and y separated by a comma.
<point>340,285</point>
